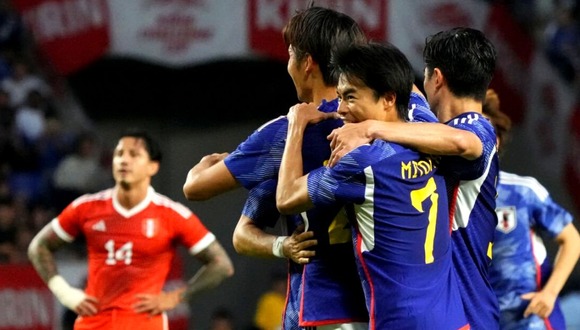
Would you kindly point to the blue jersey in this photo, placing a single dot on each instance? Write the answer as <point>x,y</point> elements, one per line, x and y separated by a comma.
<point>472,191</point>
<point>419,110</point>
<point>401,236</point>
<point>329,280</point>
<point>520,263</point>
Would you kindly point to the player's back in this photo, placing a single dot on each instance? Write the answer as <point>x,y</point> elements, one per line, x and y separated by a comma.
<point>402,236</point>
<point>408,255</point>
<point>472,191</point>
<point>326,290</point>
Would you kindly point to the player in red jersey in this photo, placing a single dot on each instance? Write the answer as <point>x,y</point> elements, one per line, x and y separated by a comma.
<point>131,234</point>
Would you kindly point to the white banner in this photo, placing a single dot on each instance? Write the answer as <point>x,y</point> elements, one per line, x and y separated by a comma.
<point>178,32</point>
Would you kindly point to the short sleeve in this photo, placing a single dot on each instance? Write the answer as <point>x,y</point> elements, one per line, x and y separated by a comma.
<point>67,225</point>
<point>260,205</point>
<point>344,182</point>
<point>258,157</point>
<point>193,233</point>
<point>419,110</point>
<point>547,214</point>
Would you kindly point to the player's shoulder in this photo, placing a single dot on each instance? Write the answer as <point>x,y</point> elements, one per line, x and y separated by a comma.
<point>167,204</point>
<point>379,151</point>
<point>419,110</point>
<point>523,183</point>
<point>102,196</point>
<point>470,118</point>
<point>273,123</point>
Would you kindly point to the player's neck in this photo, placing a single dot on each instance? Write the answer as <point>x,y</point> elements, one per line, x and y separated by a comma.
<point>323,93</point>
<point>131,196</point>
<point>454,106</point>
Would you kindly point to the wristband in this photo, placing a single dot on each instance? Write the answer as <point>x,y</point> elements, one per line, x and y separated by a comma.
<point>278,247</point>
<point>67,295</point>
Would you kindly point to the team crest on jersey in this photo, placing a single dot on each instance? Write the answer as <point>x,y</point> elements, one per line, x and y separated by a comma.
<point>506,219</point>
<point>150,227</point>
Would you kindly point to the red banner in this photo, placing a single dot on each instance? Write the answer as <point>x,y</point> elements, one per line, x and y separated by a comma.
<point>268,17</point>
<point>26,302</point>
<point>70,33</point>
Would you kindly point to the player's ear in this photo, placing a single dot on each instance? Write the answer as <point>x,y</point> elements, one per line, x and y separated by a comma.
<point>389,100</point>
<point>153,168</point>
<point>309,63</point>
<point>438,78</point>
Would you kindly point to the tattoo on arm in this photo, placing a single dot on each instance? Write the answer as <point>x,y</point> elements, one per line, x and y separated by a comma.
<point>41,252</point>
<point>217,266</point>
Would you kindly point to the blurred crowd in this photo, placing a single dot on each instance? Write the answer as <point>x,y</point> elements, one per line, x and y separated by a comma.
<point>43,163</point>
<point>555,26</point>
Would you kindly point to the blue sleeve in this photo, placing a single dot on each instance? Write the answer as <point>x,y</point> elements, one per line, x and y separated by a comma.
<point>258,157</point>
<point>419,110</point>
<point>547,214</point>
<point>471,169</point>
<point>345,182</point>
<point>261,204</point>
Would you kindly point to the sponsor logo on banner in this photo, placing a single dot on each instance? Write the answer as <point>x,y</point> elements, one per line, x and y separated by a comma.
<point>178,32</point>
<point>268,18</point>
<point>26,303</point>
<point>70,33</point>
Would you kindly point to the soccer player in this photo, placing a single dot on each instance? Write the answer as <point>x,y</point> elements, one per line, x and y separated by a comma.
<point>397,202</point>
<point>521,272</point>
<point>131,233</point>
<point>460,63</point>
<point>326,291</point>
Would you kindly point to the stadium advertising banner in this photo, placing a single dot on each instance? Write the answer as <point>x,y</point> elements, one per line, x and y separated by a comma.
<point>70,33</point>
<point>73,33</point>
<point>26,301</point>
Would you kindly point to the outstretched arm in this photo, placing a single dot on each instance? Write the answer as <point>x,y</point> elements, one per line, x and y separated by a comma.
<point>41,254</point>
<point>217,266</point>
<point>251,240</point>
<point>430,138</point>
<point>208,178</point>
<point>542,302</point>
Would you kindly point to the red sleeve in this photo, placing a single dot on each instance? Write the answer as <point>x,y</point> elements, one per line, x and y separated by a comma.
<point>68,224</point>
<point>193,234</point>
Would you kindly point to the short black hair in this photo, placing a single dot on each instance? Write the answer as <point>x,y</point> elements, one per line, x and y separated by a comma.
<point>465,57</point>
<point>380,66</point>
<point>151,145</point>
<point>318,31</point>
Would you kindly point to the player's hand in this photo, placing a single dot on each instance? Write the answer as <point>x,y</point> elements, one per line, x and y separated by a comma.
<point>308,113</point>
<point>296,245</point>
<point>156,303</point>
<point>212,159</point>
<point>87,307</point>
<point>541,303</point>
<point>347,138</point>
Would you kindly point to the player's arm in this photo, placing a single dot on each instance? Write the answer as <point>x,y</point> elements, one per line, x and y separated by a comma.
<point>542,302</point>
<point>292,191</point>
<point>41,254</point>
<point>430,138</point>
<point>208,178</point>
<point>251,240</point>
<point>217,266</point>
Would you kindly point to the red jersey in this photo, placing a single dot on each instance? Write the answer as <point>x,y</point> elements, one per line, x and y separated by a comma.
<point>129,251</point>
